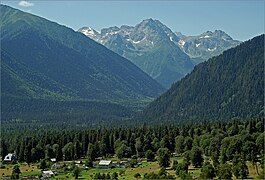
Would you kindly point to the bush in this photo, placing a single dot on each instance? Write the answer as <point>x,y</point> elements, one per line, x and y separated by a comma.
<point>174,166</point>
<point>133,163</point>
<point>76,172</point>
<point>240,169</point>
<point>137,175</point>
<point>163,157</point>
<point>182,167</point>
<point>114,175</point>
<point>43,164</point>
<point>89,162</point>
<point>105,176</point>
<point>184,175</point>
<point>161,175</point>
<point>122,172</point>
<point>196,157</point>
<point>224,171</point>
<point>207,171</point>
<point>150,156</point>
<point>15,172</point>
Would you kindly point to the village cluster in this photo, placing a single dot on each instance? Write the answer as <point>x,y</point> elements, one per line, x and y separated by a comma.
<point>100,163</point>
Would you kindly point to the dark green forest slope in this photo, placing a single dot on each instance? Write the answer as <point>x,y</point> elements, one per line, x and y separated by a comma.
<point>227,86</point>
<point>42,61</point>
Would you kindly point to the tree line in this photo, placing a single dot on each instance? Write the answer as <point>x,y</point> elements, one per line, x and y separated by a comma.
<point>219,148</point>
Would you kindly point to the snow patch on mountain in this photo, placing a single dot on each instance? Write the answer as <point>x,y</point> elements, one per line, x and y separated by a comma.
<point>207,44</point>
<point>136,42</point>
<point>213,49</point>
<point>112,33</point>
<point>181,43</point>
<point>130,41</point>
<point>204,37</point>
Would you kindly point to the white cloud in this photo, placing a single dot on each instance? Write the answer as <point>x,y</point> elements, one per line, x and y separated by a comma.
<point>25,4</point>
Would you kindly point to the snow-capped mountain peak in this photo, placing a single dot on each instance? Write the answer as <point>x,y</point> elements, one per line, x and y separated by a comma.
<point>88,31</point>
<point>158,51</point>
<point>145,43</point>
<point>206,45</point>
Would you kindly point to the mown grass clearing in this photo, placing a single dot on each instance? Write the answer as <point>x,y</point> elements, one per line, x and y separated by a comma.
<point>128,173</point>
<point>26,170</point>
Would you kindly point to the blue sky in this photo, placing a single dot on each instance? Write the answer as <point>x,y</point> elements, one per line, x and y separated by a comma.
<point>240,19</point>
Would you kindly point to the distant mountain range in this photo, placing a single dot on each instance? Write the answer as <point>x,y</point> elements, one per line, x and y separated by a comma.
<point>164,55</point>
<point>44,63</point>
<point>204,46</point>
<point>228,86</point>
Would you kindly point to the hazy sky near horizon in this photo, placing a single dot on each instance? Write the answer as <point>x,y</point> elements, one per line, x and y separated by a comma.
<point>240,19</point>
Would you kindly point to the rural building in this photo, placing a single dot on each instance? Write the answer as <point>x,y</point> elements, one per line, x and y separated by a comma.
<point>47,174</point>
<point>99,158</point>
<point>78,162</point>
<point>53,159</point>
<point>175,154</point>
<point>85,167</point>
<point>10,157</point>
<point>105,164</point>
<point>123,164</point>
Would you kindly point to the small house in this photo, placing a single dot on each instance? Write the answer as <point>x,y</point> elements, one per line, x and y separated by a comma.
<point>99,158</point>
<point>47,174</point>
<point>105,164</point>
<point>10,157</point>
<point>85,167</point>
<point>175,154</point>
<point>78,162</point>
<point>123,163</point>
<point>53,159</point>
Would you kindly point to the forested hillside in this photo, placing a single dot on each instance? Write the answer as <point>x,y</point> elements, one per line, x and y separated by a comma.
<point>227,86</point>
<point>43,61</point>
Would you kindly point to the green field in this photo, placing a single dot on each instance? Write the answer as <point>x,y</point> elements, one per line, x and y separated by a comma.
<point>26,171</point>
<point>146,167</point>
<point>128,173</point>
